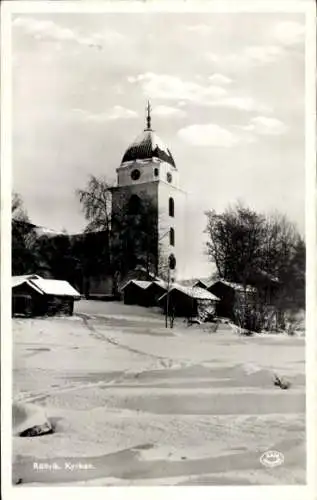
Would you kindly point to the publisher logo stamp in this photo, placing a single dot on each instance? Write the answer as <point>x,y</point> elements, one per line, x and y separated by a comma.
<point>272,458</point>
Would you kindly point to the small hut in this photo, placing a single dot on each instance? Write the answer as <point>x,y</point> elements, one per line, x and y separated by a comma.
<point>36,296</point>
<point>135,292</point>
<point>230,295</point>
<point>25,296</point>
<point>156,289</point>
<point>190,302</point>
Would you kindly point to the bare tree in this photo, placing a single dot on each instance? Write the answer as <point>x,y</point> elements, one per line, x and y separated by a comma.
<point>264,251</point>
<point>95,200</point>
<point>130,227</point>
<point>24,239</point>
<point>234,242</point>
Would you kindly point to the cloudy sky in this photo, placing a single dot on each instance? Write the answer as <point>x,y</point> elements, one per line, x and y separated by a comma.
<point>227,92</point>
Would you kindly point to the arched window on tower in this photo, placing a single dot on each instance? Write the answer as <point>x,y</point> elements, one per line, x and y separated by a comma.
<point>172,237</point>
<point>171,207</point>
<point>134,205</point>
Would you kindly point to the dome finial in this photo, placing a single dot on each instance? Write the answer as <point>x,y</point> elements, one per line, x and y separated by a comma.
<point>148,117</point>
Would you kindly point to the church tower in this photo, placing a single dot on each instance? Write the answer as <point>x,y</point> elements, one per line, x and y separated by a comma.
<point>148,171</point>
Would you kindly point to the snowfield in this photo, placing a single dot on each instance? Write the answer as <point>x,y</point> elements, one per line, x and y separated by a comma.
<point>133,403</point>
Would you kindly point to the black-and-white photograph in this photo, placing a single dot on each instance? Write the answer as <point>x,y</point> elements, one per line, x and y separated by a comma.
<point>158,248</point>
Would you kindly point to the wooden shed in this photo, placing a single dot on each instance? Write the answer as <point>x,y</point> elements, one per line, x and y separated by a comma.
<point>155,291</point>
<point>135,293</point>
<point>230,294</point>
<point>26,297</point>
<point>35,296</point>
<point>189,302</point>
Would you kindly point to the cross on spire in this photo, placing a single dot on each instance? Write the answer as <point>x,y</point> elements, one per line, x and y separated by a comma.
<point>148,117</point>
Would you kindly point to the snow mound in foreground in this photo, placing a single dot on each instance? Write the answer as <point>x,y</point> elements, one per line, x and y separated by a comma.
<point>29,420</point>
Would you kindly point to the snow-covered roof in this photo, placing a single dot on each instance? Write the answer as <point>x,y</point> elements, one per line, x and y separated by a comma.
<point>204,281</point>
<point>40,230</point>
<point>46,231</point>
<point>54,287</point>
<point>160,282</point>
<point>193,292</point>
<point>188,282</point>
<point>236,286</point>
<point>268,276</point>
<point>147,146</point>
<point>139,283</point>
<point>18,280</point>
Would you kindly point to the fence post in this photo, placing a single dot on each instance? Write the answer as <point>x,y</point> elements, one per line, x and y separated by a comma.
<point>167,297</point>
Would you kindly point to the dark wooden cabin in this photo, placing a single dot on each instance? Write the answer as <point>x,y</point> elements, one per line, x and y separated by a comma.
<point>155,292</point>
<point>189,302</point>
<point>230,294</point>
<point>34,296</point>
<point>135,293</point>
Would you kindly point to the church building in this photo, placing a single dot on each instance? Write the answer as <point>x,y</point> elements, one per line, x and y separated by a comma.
<point>147,177</point>
<point>148,172</point>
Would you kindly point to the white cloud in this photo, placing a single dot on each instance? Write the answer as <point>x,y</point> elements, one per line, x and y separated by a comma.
<point>264,125</point>
<point>48,30</point>
<point>202,29</point>
<point>289,32</point>
<point>42,28</point>
<point>116,113</point>
<point>255,55</point>
<point>263,54</point>
<point>162,86</point>
<point>109,38</point>
<point>208,134</point>
<point>169,87</point>
<point>212,57</point>
<point>168,111</point>
<point>218,79</point>
<point>212,135</point>
<point>241,103</point>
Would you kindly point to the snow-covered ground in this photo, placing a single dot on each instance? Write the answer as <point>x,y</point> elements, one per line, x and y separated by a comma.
<point>134,403</point>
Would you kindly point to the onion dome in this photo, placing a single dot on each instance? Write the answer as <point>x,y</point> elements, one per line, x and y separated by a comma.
<point>147,146</point>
